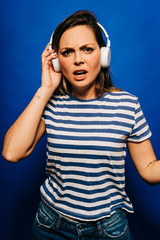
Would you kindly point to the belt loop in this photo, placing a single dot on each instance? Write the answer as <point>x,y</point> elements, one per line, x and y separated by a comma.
<point>58,221</point>
<point>99,227</point>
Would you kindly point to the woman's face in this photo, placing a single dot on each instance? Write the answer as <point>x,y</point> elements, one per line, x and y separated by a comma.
<point>79,56</point>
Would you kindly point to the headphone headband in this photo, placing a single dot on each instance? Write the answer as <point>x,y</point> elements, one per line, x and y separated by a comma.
<point>105,33</point>
<point>101,27</point>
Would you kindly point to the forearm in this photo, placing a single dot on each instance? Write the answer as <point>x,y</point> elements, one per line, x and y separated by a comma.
<point>20,137</point>
<point>154,172</point>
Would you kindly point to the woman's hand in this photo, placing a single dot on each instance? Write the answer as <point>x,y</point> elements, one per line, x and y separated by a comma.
<point>50,78</point>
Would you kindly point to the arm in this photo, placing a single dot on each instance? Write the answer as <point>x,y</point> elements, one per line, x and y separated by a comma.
<point>20,139</point>
<point>145,161</point>
<point>24,134</point>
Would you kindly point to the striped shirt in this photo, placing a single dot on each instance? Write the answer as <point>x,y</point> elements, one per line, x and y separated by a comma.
<point>86,150</point>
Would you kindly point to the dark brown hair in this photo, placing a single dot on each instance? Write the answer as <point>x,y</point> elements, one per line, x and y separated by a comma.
<point>83,17</point>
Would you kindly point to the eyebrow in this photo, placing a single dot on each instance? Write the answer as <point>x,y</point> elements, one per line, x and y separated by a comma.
<point>81,47</point>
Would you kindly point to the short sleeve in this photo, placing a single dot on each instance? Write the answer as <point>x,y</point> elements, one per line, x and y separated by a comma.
<point>43,114</point>
<point>140,130</point>
<point>42,117</point>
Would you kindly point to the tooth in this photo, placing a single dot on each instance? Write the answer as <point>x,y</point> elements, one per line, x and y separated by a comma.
<point>80,72</point>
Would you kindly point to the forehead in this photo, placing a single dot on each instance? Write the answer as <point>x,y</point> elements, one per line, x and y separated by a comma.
<point>77,35</point>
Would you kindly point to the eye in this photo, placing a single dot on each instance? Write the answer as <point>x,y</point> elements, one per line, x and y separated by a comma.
<point>67,52</point>
<point>88,49</point>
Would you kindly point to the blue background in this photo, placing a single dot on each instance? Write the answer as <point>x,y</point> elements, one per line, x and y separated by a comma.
<point>26,26</point>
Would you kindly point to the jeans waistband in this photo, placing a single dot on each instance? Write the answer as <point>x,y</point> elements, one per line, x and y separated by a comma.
<point>73,224</point>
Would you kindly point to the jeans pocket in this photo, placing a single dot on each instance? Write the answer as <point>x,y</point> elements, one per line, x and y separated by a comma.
<point>117,227</point>
<point>44,219</point>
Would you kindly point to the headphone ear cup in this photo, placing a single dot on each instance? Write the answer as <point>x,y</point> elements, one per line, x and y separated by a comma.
<point>55,62</point>
<point>56,65</point>
<point>105,57</point>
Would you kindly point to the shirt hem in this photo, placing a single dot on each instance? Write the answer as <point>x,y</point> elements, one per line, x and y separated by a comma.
<point>119,206</point>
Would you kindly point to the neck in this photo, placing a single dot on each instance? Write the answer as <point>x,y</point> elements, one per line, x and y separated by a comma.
<point>85,95</point>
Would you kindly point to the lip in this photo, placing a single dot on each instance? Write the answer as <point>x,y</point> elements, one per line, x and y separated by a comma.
<point>81,76</point>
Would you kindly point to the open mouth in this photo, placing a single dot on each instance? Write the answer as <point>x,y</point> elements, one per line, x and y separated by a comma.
<point>79,73</point>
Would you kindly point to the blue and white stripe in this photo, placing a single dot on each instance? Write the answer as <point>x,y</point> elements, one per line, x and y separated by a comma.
<point>86,150</point>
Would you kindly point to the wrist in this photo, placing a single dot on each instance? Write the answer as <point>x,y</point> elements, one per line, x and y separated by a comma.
<point>44,93</point>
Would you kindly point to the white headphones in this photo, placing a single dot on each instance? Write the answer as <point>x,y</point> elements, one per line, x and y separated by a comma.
<point>105,52</point>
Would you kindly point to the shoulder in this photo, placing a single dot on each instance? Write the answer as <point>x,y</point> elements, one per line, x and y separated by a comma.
<point>120,100</point>
<point>55,99</point>
<point>59,97</point>
<point>121,96</point>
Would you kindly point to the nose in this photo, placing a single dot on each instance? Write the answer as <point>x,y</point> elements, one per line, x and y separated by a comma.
<point>78,59</point>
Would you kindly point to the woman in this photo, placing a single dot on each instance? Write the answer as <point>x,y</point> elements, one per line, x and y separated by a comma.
<point>89,125</point>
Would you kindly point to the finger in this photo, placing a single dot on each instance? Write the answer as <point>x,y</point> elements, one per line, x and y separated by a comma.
<point>48,52</point>
<point>47,46</point>
<point>46,64</point>
<point>47,61</point>
<point>49,57</point>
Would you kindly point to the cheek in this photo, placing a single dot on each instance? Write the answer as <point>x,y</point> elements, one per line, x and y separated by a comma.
<point>64,65</point>
<point>96,64</point>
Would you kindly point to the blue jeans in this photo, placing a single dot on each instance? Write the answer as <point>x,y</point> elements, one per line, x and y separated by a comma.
<point>50,225</point>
